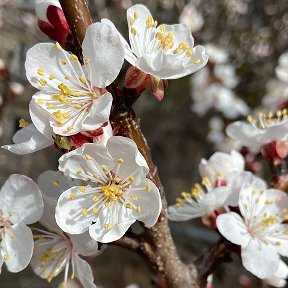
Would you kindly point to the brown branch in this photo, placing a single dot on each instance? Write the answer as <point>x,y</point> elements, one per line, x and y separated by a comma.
<point>128,243</point>
<point>213,257</point>
<point>78,17</point>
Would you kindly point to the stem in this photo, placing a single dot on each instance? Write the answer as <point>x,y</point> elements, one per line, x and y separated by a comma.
<point>217,254</point>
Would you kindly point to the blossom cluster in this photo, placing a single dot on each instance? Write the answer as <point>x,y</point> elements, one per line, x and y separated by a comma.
<point>213,86</point>
<point>101,187</point>
<point>103,183</point>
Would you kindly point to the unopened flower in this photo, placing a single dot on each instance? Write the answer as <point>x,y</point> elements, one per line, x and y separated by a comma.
<point>223,176</point>
<point>56,251</point>
<point>20,204</point>
<point>279,278</point>
<point>51,20</point>
<point>282,68</point>
<point>265,128</point>
<point>191,17</point>
<point>163,52</point>
<point>74,96</point>
<point>117,195</point>
<point>259,231</point>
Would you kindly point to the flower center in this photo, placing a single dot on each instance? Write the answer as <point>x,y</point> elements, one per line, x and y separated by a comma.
<point>4,222</point>
<point>113,191</point>
<point>110,190</point>
<point>268,119</point>
<point>74,96</point>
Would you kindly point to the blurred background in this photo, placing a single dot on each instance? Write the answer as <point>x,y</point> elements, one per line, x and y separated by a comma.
<point>244,39</point>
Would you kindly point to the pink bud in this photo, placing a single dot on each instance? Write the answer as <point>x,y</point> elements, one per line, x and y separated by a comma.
<point>51,20</point>
<point>158,87</point>
<point>275,151</point>
<point>134,78</point>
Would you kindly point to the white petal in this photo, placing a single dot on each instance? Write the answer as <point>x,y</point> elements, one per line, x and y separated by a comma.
<point>186,211</point>
<point>232,227</point>
<point>244,133</point>
<point>84,245</point>
<point>102,45</point>
<point>40,119</point>
<point>247,199</point>
<point>23,198</point>
<point>69,215</point>
<point>278,279</point>
<point>48,218</point>
<point>75,165</point>
<point>274,132</point>
<point>170,66</point>
<point>1,262</point>
<point>216,198</point>
<point>149,202</point>
<point>235,182</point>
<point>260,259</point>
<point>18,244</point>
<point>129,56</point>
<point>83,272</point>
<point>119,219</point>
<point>28,140</point>
<point>48,57</point>
<point>53,183</point>
<point>138,44</point>
<point>222,163</point>
<point>107,134</point>
<point>125,148</point>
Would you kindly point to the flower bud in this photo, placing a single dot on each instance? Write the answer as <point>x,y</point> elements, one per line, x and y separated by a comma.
<point>158,87</point>
<point>134,78</point>
<point>275,151</point>
<point>51,20</point>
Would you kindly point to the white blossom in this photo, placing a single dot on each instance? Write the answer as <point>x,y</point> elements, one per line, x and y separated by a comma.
<point>74,96</point>
<point>227,74</point>
<point>191,17</point>
<point>259,231</point>
<point>116,195</point>
<point>20,204</point>
<point>219,97</point>
<point>222,178</point>
<point>164,51</point>
<point>265,128</point>
<point>56,251</point>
